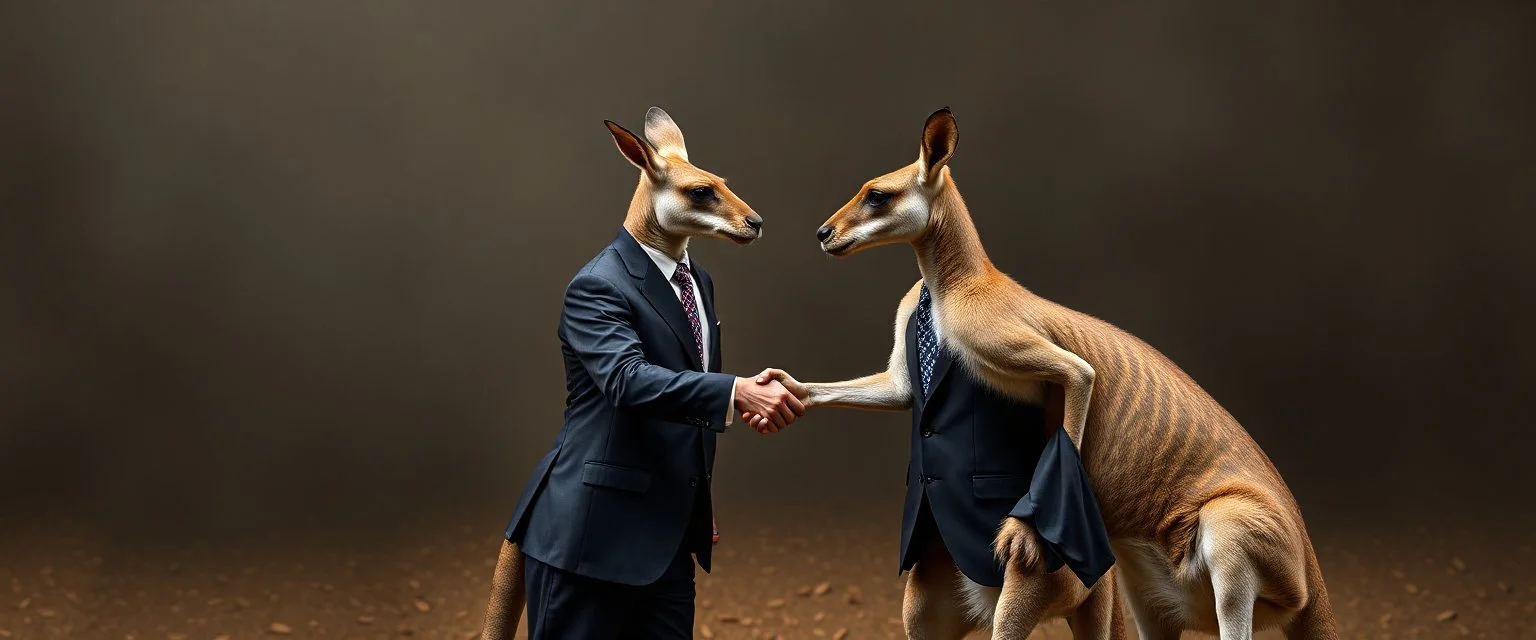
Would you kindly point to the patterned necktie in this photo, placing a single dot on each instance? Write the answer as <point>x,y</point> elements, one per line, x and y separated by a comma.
<point>927,340</point>
<point>685,289</point>
<point>683,278</point>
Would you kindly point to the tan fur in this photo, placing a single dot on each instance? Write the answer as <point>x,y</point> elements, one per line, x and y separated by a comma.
<point>940,603</point>
<point>508,595</point>
<point>666,176</point>
<point>1205,527</point>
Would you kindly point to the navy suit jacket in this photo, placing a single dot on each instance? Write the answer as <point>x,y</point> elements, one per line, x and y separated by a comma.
<point>626,485</point>
<point>978,457</point>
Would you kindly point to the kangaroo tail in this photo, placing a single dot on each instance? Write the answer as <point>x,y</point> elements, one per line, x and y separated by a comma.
<point>1315,621</point>
<point>508,595</point>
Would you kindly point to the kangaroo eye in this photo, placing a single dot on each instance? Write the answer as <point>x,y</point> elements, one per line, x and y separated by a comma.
<point>701,195</point>
<point>875,198</point>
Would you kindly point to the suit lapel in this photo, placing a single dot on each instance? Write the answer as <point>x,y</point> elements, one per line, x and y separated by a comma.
<point>914,369</point>
<point>707,294</point>
<point>659,293</point>
<point>941,365</point>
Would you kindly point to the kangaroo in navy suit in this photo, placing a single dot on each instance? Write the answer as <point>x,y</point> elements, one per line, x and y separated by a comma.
<point>603,542</point>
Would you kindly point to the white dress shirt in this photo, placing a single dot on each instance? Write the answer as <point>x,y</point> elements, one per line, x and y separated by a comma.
<point>668,268</point>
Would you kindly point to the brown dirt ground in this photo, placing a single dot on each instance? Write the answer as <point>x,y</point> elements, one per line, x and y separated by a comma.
<point>801,575</point>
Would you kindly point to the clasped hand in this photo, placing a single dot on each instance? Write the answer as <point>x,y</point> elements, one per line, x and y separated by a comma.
<point>771,401</point>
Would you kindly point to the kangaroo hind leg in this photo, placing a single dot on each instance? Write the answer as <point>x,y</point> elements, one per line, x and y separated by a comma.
<point>1256,568</point>
<point>1100,616</point>
<point>932,607</point>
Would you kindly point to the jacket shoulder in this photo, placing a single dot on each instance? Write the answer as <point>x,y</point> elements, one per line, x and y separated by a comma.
<point>607,267</point>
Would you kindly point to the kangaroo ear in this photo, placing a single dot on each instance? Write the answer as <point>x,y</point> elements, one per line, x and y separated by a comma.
<point>638,152</point>
<point>664,133</point>
<point>940,135</point>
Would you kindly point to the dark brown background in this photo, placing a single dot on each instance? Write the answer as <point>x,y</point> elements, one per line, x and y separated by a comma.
<point>269,265</point>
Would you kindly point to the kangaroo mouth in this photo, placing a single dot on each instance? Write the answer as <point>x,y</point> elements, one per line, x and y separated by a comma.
<point>742,237</point>
<point>840,249</point>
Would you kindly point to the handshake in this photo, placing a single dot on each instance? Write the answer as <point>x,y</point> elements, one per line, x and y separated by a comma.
<point>771,401</point>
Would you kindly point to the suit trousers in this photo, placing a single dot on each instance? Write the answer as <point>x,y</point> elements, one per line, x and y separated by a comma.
<point>566,606</point>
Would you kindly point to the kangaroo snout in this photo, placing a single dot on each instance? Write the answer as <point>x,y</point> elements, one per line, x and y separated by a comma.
<point>755,222</point>
<point>823,233</point>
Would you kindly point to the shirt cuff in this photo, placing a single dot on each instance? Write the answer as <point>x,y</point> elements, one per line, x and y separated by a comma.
<point>730,407</point>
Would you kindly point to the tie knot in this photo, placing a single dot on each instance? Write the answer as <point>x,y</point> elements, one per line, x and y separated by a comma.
<point>681,275</point>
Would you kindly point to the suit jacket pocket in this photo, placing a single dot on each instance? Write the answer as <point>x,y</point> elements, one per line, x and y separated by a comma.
<point>1000,486</point>
<point>602,474</point>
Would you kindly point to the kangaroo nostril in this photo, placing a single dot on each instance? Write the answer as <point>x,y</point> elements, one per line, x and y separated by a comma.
<point>755,221</point>
<point>823,233</point>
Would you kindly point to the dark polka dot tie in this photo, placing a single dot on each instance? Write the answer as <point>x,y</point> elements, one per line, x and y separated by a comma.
<point>927,339</point>
<point>684,279</point>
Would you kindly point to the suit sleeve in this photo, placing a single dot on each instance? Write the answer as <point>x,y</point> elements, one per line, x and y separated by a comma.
<point>599,327</point>
<point>1063,509</point>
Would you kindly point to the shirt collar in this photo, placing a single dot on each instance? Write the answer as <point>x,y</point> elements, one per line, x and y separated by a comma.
<point>665,262</point>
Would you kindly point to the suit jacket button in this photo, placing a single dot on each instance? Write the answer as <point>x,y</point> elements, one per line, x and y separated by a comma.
<point>927,433</point>
<point>693,481</point>
<point>708,477</point>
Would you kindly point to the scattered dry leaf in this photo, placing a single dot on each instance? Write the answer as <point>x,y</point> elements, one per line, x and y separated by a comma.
<point>423,606</point>
<point>1411,588</point>
<point>775,603</point>
<point>280,628</point>
<point>705,631</point>
<point>365,619</point>
<point>1446,616</point>
<point>822,589</point>
<point>839,634</point>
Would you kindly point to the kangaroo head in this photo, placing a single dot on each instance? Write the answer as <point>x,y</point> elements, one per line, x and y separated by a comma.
<point>895,207</point>
<point>675,198</point>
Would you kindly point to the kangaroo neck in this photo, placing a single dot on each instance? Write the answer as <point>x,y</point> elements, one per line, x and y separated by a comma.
<point>949,252</point>
<point>642,223</point>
